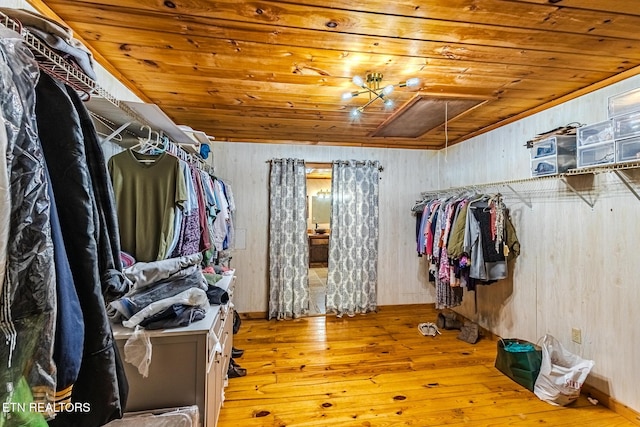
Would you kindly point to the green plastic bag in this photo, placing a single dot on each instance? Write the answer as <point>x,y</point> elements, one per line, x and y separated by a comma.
<point>523,367</point>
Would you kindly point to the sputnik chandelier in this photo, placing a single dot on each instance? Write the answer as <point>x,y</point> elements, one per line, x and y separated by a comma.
<point>372,86</point>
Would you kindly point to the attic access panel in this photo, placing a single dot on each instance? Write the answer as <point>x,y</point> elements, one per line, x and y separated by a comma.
<point>425,112</point>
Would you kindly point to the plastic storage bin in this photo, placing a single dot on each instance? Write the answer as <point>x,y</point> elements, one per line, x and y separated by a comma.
<point>626,126</point>
<point>172,417</point>
<point>595,133</point>
<point>628,150</point>
<point>624,103</point>
<point>548,166</point>
<point>553,155</point>
<point>597,154</point>
<point>544,148</point>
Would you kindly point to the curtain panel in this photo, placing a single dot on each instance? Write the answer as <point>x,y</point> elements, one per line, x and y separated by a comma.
<point>353,242</point>
<point>288,242</point>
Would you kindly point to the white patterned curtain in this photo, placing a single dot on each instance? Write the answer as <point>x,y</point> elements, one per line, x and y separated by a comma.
<point>353,242</point>
<point>288,242</point>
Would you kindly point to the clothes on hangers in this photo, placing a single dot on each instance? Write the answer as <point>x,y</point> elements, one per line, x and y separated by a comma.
<point>146,195</point>
<point>61,255</point>
<point>467,240</point>
<point>90,232</point>
<point>28,297</point>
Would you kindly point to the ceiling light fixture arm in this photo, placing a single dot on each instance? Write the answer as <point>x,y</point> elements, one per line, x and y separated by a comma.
<point>372,86</point>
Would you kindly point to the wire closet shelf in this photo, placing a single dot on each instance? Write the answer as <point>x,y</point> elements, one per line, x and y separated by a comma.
<point>59,68</point>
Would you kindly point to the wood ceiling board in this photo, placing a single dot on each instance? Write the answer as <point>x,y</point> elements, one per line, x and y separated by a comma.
<point>355,23</point>
<point>226,65</point>
<point>313,68</point>
<point>519,13</point>
<point>99,30</point>
<point>620,6</point>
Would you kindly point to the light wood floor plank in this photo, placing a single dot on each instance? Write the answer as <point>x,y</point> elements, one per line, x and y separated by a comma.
<point>378,370</point>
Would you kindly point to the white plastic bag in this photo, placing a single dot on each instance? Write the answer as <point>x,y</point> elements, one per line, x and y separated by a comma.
<point>138,350</point>
<point>562,373</point>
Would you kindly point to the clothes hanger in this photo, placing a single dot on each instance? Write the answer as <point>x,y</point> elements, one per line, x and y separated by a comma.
<point>144,145</point>
<point>112,135</point>
<point>142,141</point>
<point>156,147</point>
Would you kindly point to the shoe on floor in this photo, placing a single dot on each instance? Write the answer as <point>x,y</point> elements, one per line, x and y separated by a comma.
<point>428,329</point>
<point>469,333</point>
<point>236,352</point>
<point>236,371</point>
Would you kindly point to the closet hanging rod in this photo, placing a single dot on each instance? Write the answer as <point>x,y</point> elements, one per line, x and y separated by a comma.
<point>328,164</point>
<point>571,172</point>
<point>51,62</point>
<point>55,65</point>
<point>489,184</point>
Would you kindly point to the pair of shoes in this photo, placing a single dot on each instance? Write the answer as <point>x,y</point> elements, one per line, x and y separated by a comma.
<point>236,371</point>
<point>469,333</point>
<point>428,329</point>
<point>235,352</point>
<point>448,321</point>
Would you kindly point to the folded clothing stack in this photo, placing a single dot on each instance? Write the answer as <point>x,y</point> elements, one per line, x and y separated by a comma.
<point>164,294</point>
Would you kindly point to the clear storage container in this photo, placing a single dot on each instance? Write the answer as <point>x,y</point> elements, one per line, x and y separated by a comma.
<point>545,166</point>
<point>553,155</point>
<point>595,133</point>
<point>626,126</point>
<point>544,148</point>
<point>596,154</point>
<point>554,145</point>
<point>628,150</point>
<point>624,103</point>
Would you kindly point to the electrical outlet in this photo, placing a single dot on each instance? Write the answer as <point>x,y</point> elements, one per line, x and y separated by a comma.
<point>576,335</point>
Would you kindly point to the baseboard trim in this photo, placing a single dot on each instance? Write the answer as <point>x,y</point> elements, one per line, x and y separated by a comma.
<point>255,315</point>
<point>611,403</point>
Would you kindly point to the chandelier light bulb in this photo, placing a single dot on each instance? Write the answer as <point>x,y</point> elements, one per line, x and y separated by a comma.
<point>414,81</point>
<point>347,96</point>
<point>355,113</point>
<point>388,89</point>
<point>357,80</point>
<point>388,103</point>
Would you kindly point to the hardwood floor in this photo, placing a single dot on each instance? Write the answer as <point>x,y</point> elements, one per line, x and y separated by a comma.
<point>379,370</point>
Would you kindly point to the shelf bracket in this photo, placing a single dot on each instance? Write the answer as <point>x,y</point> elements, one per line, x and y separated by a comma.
<point>577,193</point>
<point>522,199</point>
<point>115,133</point>
<point>624,180</point>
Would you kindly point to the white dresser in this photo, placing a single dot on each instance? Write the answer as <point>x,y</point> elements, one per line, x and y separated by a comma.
<point>188,365</point>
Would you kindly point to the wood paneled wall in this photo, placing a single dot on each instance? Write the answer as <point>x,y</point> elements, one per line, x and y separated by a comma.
<point>578,266</point>
<point>402,279</point>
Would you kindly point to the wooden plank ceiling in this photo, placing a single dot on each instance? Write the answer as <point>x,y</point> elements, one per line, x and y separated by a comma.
<point>274,71</point>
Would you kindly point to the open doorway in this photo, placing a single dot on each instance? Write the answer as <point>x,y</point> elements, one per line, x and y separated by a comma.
<point>318,229</point>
